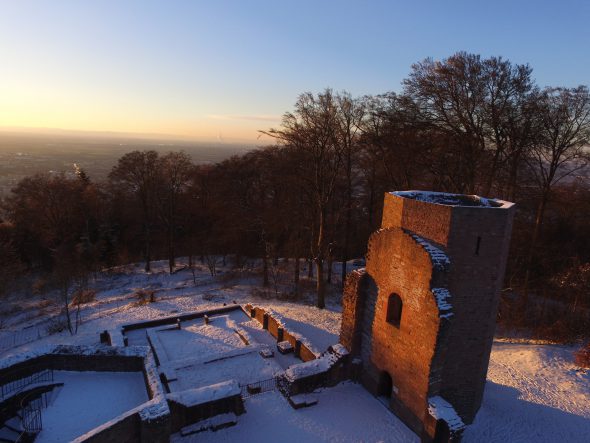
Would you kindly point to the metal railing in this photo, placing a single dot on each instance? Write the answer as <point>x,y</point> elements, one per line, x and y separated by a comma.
<point>12,387</point>
<point>31,417</point>
<point>31,412</point>
<point>12,339</point>
<point>251,389</point>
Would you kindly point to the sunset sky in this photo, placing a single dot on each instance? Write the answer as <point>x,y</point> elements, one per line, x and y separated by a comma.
<point>222,69</point>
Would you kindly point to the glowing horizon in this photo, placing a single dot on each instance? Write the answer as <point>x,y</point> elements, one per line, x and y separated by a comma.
<point>225,70</point>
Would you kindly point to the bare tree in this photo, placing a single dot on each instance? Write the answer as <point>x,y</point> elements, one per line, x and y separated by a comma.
<point>451,95</point>
<point>137,173</point>
<point>312,129</point>
<point>564,125</point>
<point>70,275</point>
<point>508,89</point>
<point>351,113</point>
<point>174,174</point>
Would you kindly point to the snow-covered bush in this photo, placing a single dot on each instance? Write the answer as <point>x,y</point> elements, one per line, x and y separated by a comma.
<point>145,296</point>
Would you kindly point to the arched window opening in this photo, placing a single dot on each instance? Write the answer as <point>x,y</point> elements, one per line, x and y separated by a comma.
<point>394,310</point>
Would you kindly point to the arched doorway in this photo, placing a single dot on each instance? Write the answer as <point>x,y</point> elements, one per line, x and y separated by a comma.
<point>385,385</point>
<point>442,434</point>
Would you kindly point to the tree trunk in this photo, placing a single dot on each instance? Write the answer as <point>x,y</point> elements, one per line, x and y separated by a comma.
<point>171,229</point>
<point>371,197</point>
<point>67,308</point>
<point>492,174</point>
<point>345,245</point>
<point>296,280</point>
<point>513,177</point>
<point>148,251</point>
<point>191,266</point>
<point>265,271</point>
<point>321,287</point>
<point>171,258</point>
<point>329,277</point>
<point>347,222</point>
<point>534,239</point>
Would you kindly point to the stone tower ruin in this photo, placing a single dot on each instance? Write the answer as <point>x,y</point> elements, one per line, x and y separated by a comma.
<point>420,318</point>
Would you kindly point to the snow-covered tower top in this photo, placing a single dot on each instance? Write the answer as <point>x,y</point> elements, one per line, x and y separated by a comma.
<point>444,218</point>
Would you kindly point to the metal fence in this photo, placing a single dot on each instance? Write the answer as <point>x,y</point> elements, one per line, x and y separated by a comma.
<point>31,412</point>
<point>12,339</point>
<point>250,389</point>
<point>16,385</point>
<point>31,417</point>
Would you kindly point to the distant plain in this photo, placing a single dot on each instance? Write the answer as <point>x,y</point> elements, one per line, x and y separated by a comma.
<point>25,154</point>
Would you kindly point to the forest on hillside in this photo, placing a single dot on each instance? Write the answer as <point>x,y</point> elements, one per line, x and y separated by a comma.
<point>465,124</point>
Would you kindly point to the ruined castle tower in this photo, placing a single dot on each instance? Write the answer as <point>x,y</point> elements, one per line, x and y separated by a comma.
<point>421,316</point>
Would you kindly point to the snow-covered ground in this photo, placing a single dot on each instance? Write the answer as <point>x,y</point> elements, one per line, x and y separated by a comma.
<point>87,400</point>
<point>534,392</point>
<point>204,353</point>
<point>207,339</point>
<point>345,413</point>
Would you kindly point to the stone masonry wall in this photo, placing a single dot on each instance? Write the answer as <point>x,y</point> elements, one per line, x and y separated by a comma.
<point>475,284</point>
<point>476,240</point>
<point>428,220</point>
<point>430,354</point>
<point>398,264</point>
<point>278,331</point>
<point>369,292</point>
<point>351,311</point>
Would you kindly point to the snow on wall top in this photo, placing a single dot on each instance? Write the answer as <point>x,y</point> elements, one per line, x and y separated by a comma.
<point>448,199</point>
<point>439,258</point>
<point>441,261</point>
<point>98,349</point>
<point>445,307</point>
<point>147,411</point>
<point>206,394</point>
<point>441,409</point>
<point>158,406</point>
<point>339,350</point>
<point>318,366</point>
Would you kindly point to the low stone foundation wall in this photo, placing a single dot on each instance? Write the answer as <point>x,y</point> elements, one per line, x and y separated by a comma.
<point>332,367</point>
<point>193,405</point>
<point>276,328</point>
<point>182,317</point>
<point>147,423</point>
<point>74,358</point>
